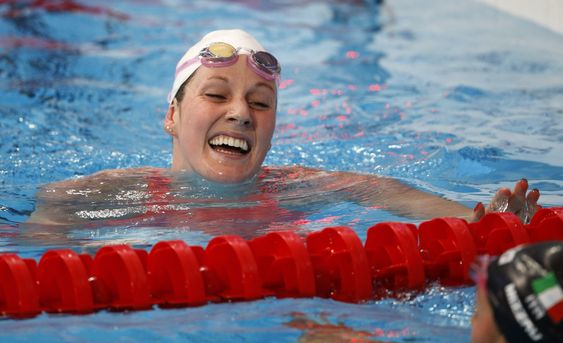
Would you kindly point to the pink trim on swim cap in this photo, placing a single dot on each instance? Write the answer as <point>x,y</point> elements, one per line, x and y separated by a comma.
<point>189,63</point>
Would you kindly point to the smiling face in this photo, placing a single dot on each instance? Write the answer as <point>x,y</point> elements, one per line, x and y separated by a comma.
<point>223,126</point>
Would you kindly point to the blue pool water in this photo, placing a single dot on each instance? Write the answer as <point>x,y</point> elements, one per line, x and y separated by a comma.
<point>452,97</point>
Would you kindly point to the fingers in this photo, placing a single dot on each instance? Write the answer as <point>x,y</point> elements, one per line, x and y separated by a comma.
<point>500,200</point>
<point>533,196</point>
<point>522,204</point>
<point>519,201</point>
<point>502,195</point>
<point>503,192</point>
<point>516,202</point>
<point>521,187</point>
<point>478,212</point>
<point>531,205</point>
<point>506,200</point>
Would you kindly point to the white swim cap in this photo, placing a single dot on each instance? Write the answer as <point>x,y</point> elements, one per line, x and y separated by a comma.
<point>236,38</point>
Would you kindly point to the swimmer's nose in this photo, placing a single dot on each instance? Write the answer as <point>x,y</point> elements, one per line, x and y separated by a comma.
<point>239,114</point>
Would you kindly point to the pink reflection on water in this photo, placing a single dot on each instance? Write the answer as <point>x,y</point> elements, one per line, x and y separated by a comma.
<point>352,54</point>
<point>286,83</point>
<point>374,88</point>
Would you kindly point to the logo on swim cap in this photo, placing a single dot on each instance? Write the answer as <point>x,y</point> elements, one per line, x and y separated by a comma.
<point>519,312</point>
<point>550,295</point>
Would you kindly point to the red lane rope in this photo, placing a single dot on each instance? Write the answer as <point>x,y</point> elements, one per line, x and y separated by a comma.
<point>331,263</point>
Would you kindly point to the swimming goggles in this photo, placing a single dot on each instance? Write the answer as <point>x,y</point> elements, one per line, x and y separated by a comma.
<point>223,55</point>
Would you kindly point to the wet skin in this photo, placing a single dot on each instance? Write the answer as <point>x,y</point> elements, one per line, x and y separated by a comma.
<point>223,127</point>
<point>484,329</point>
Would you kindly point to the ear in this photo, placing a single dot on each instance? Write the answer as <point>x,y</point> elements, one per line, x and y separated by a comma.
<point>171,119</point>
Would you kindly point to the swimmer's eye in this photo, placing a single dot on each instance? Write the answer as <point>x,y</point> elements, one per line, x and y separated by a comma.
<point>259,105</point>
<point>215,96</point>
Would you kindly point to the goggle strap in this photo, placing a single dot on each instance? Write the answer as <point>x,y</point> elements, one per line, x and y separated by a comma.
<point>186,64</point>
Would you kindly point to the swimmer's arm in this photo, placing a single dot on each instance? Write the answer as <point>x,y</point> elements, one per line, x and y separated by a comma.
<point>395,196</point>
<point>413,203</point>
<point>404,200</point>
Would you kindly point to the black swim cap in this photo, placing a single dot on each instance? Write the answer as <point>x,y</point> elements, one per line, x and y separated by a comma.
<point>524,289</point>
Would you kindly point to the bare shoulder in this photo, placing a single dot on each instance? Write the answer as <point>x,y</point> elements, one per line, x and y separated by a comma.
<point>97,179</point>
<point>55,200</point>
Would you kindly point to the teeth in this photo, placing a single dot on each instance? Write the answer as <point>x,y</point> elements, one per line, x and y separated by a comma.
<point>230,141</point>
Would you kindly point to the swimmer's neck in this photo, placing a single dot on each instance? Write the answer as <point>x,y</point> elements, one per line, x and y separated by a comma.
<point>195,181</point>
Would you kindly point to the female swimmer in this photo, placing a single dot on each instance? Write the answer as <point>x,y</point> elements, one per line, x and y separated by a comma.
<point>221,117</point>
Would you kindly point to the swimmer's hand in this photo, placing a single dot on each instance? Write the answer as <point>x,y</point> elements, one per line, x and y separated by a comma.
<point>517,201</point>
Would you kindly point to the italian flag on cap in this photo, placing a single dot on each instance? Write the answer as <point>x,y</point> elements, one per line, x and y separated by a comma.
<point>550,295</point>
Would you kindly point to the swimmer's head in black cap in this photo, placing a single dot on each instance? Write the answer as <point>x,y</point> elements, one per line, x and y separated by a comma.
<point>524,289</point>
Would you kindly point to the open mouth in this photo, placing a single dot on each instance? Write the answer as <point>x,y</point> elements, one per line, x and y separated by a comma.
<point>229,145</point>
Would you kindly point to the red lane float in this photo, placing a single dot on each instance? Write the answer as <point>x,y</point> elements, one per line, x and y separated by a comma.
<point>174,275</point>
<point>498,232</point>
<point>119,278</point>
<point>546,225</point>
<point>230,270</point>
<point>284,265</point>
<point>394,256</point>
<point>340,264</point>
<point>63,284</point>
<point>331,263</point>
<point>18,296</point>
<point>447,249</point>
